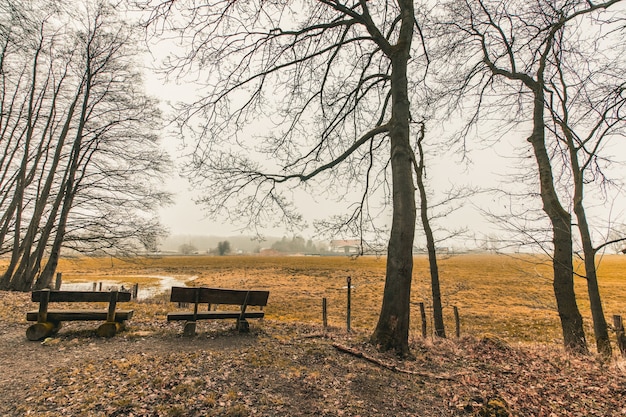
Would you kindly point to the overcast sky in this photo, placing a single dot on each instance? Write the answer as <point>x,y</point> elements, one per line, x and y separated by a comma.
<point>489,167</point>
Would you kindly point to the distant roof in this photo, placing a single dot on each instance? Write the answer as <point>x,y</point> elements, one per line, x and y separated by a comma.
<point>350,242</point>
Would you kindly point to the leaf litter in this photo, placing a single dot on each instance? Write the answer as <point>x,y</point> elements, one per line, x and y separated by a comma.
<point>290,369</point>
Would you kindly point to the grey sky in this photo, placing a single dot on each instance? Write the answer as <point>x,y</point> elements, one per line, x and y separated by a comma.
<point>490,167</point>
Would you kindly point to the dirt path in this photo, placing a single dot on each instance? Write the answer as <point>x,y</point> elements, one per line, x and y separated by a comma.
<point>27,368</point>
<point>20,370</point>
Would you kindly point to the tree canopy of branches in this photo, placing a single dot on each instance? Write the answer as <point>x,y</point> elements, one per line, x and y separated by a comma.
<point>80,159</point>
<point>330,80</point>
<point>324,94</point>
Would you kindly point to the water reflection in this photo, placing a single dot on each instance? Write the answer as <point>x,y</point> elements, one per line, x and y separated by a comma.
<point>158,284</point>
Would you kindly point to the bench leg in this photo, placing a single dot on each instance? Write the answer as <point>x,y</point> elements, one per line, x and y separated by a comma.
<point>39,331</point>
<point>109,329</point>
<point>190,329</point>
<point>243,326</point>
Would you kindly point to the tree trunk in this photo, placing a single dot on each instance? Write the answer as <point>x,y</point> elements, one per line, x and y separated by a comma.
<point>45,278</point>
<point>600,328</point>
<point>562,263</point>
<point>571,319</point>
<point>392,330</point>
<point>31,263</point>
<point>440,330</point>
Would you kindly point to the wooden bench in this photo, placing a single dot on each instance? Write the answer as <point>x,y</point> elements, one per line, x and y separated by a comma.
<point>49,321</point>
<point>219,296</point>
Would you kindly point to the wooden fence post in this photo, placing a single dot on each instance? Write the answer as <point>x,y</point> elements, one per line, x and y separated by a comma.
<point>618,324</point>
<point>325,312</point>
<point>57,283</point>
<point>349,307</point>
<point>135,291</point>
<point>457,322</point>
<point>423,316</point>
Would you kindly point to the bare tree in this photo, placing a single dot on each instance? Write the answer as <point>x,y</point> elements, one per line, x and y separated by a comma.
<point>83,133</point>
<point>515,41</point>
<point>420,167</point>
<point>331,81</point>
<point>223,247</point>
<point>588,107</point>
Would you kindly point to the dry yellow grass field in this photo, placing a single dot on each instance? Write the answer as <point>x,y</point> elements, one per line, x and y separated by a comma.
<point>504,296</point>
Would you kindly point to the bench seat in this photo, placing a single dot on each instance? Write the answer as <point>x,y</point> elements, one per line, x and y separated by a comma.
<point>215,315</point>
<point>217,296</point>
<point>80,315</point>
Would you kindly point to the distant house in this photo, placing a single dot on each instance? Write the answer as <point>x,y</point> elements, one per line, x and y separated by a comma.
<point>349,247</point>
<point>269,252</point>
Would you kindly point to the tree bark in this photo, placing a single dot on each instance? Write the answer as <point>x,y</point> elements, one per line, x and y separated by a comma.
<point>392,330</point>
<point>600,327</point>
<point>562,263</point>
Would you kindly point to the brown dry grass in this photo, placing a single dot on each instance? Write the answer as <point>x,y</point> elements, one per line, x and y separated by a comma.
<point>504,296</point>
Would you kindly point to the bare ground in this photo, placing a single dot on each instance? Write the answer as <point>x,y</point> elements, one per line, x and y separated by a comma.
<point>287,369</point>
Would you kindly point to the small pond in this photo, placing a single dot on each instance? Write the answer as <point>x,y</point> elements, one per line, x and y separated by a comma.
<point>155,285</point>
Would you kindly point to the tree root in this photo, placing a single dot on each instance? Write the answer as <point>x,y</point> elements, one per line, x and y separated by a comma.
<point>358,354</point>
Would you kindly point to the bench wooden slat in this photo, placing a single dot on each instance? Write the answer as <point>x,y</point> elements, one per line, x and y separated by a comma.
<point>218,296</point>
<point>79,296</point>
<point>214,315</point>
<point>80,315</point>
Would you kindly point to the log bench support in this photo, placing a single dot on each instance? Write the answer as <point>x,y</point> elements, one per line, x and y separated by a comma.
<point>217,296</point>
<point>49,321</point>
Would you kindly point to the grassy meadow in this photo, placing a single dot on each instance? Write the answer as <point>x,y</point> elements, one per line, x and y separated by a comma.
<point>499,295</point>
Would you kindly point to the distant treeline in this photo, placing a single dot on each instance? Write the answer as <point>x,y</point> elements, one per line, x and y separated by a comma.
<point>296,244</point>
<point>246,244</point>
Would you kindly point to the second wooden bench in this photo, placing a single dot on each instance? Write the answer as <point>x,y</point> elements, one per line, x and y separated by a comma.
<point>202,295</point>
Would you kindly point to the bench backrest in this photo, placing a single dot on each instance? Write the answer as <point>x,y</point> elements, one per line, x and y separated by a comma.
<point>79,296</point>
<point>218,296</point>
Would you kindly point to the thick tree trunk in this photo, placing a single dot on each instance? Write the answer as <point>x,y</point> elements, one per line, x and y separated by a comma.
<point>562,263</point>
<point>392,330</point>
<point>7,277</point>
<point>571,319</point>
